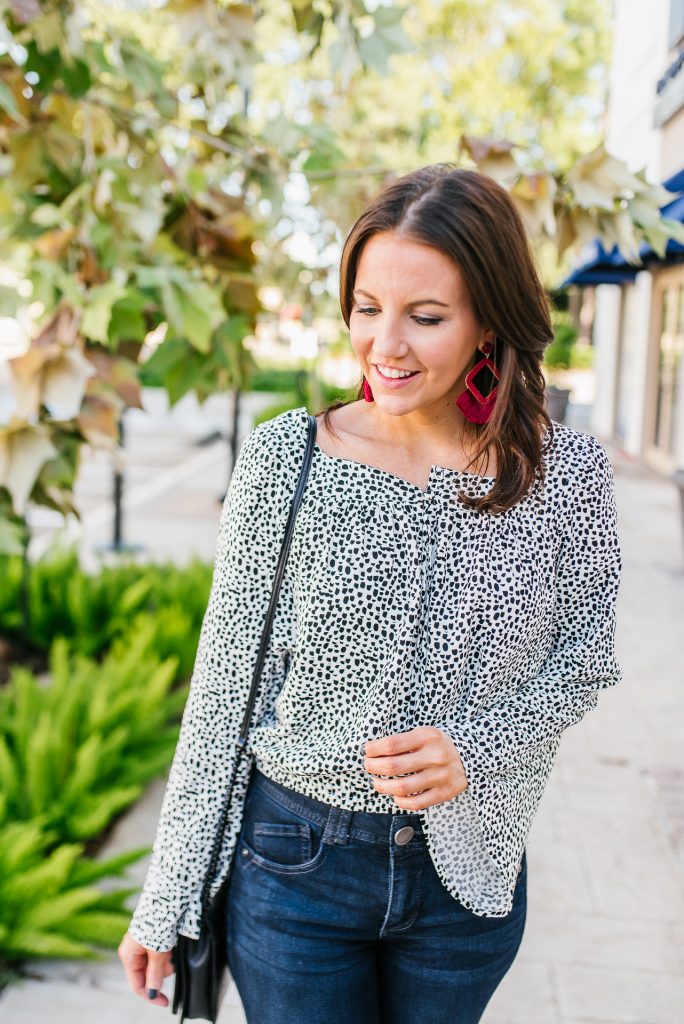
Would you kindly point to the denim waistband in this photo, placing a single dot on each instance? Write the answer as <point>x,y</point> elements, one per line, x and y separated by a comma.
<point>340,823</point>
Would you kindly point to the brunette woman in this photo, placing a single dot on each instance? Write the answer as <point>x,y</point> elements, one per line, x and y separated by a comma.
<point>448,610</point>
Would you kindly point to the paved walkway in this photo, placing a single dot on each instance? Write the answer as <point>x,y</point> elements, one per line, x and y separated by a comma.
<point>604,941</point>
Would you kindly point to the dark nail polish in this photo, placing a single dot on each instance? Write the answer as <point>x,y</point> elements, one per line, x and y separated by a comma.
<point>152,992</point>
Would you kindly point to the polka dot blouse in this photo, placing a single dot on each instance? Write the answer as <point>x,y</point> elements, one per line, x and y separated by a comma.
<point>399,607</point>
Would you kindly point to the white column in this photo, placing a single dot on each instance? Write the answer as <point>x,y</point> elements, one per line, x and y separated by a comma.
<point>606,343</point>
<point>638,324</point>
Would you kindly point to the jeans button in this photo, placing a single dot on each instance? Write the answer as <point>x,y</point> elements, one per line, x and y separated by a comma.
<point>404,835</point>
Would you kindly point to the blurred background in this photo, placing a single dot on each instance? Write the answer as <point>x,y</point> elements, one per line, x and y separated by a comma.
<point>176,182</point>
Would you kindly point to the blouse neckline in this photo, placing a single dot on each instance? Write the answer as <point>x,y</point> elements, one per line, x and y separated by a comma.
<point>473,479</point>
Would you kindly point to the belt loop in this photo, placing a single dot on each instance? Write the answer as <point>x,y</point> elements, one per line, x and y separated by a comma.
<point>337,826</point>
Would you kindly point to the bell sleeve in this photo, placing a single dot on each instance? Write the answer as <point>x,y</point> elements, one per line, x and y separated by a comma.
<point>510,739</point>
<point>251,528</point>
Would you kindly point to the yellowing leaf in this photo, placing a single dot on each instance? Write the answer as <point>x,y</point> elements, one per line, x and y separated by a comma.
<point>53,244</point>
<point>24,451</point>
<point>65,383</point>
<point>534,196</point>
<point>598,179</point>
<point>8,102</point>
<point>492,156</point>
<point>619,230</point>
<point>98,421</point>
<point>53,372</point>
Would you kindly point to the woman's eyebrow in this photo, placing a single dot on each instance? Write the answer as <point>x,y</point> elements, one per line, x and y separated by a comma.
<point>416,302</point>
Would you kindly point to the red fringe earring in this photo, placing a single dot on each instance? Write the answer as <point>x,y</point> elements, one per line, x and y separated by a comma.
<point>367,393</point>
<point>476,407</point>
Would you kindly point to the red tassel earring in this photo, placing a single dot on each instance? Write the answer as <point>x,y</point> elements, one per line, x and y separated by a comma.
<point>367,393</point>
<point>476,407</point>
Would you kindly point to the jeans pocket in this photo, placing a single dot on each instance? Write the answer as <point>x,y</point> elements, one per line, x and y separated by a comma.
<point>286,843</point>
<point>277,839</point>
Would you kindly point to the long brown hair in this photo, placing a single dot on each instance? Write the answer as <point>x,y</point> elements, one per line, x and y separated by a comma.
<point>471,218</point>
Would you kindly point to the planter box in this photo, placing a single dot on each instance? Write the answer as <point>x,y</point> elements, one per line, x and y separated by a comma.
<point>556,402</point>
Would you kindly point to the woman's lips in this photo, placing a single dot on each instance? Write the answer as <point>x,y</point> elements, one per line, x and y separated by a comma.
<point>395,382</point>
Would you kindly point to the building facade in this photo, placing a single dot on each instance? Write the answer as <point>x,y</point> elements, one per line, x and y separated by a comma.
<point>638,328</point>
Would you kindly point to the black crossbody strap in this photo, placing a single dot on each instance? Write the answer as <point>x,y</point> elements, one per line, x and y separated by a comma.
<point>263,647</point>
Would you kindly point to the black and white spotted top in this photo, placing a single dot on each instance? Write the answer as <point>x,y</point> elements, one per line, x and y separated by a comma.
<point>399,607</point>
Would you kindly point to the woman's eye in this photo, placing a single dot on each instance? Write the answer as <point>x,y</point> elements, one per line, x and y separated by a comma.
<point>424,321</point>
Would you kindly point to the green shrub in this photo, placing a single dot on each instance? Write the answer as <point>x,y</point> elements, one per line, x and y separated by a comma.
<point>92,610</point>
<point>79,749</point>
<point>558,355</point>
<point>49,906</point>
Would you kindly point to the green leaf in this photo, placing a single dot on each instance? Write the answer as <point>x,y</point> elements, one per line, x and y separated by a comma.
<point>76,78</point>
<point>135,596</point>
<point>11,535</point>
<point>20,842</point>
<point>104,928</point>
<point>38,764</point>
<point>24,942</point>
<point>98,310</point>
<point>47,878</point>
<point>95,814</point>
<point>127,321</point>
<point>46,65</point>
<point>146,75</point>
<point>9,775</point>
<point>387,38</point>
<point>86,871</point>
<point>59,908</point>
<point>193,309</point>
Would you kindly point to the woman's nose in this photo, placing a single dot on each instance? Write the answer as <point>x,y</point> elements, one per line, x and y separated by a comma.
<point>387,337</point>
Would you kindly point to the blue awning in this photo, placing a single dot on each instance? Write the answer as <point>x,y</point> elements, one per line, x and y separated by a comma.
<point>601,267</point>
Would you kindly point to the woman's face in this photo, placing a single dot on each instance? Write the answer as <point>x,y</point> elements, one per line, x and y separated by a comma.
<point>412,311</point>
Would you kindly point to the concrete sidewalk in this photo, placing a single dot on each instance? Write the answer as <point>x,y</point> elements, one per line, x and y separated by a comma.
<point>604,941</point>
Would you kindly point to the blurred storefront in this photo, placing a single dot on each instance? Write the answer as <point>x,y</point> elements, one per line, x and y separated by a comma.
<point>638,328</point>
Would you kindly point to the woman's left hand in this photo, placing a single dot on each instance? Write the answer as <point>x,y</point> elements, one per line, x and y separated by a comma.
<point>430,754</point>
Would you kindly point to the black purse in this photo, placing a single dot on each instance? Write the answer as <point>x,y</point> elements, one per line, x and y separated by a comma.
<point>202,974</point>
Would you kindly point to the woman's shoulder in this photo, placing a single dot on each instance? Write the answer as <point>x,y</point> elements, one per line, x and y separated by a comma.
<point>572,454</point>
<point>279,436</point>
<point>580,481</point>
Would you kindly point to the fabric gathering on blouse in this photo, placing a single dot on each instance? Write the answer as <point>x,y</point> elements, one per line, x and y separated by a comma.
<point>400,607</point>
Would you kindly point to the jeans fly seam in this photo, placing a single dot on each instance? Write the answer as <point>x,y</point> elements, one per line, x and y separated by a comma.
<point>414,915</point>
<point>390,894</point>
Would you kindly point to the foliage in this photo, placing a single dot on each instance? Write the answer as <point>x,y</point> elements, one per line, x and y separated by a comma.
<point>91,610</point>
<point>131,200</point>
<point>77,747</point>
<point>75,751</point>
<point>559,354</point>
<point>49,905</point>
<point>149,158</point>
<point>596,197</point>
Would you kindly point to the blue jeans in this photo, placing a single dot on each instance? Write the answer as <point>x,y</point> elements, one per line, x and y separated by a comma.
<point>331,920</point>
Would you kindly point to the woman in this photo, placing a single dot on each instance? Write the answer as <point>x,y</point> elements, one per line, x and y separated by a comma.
<point>447,611</point>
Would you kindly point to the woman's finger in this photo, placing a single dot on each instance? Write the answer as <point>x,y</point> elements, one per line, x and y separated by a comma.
<point>156,972</point>
<point>398,764</point>
<point>135,966</point>
<point>409,785</point>
<point>134,958</point>
<point>419,802</point>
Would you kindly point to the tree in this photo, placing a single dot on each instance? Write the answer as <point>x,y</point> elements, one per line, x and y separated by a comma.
<point>143,202</point>
<point>129,206</point>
